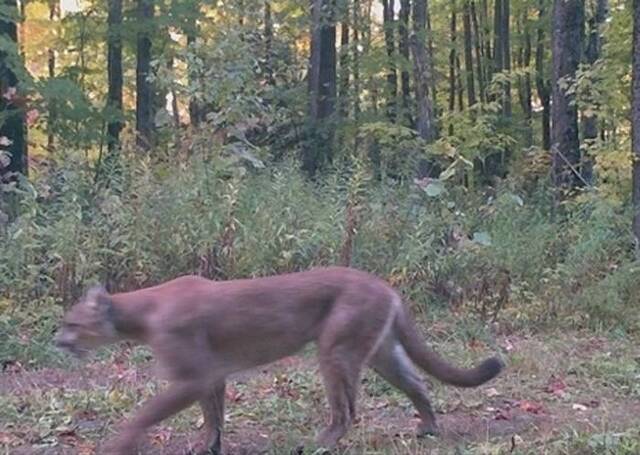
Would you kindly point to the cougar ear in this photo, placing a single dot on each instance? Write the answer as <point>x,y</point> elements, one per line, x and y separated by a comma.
<point>98,297</point>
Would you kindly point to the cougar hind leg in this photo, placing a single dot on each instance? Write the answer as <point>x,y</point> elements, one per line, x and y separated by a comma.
<point>347,342</point>
<point>392,363</point>
<point>213,412</point>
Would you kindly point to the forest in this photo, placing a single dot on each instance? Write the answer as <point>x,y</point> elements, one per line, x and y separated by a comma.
<point>481,156</point>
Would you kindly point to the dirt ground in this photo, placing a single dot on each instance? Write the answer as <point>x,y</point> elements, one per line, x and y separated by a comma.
<point>569,393</point>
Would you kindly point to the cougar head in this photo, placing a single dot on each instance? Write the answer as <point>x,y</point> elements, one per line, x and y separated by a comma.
<point>88,324</point>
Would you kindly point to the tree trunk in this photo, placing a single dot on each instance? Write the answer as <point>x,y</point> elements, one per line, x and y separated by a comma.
<point>566,49</point>
<point>268,42</point>
<point>114,75</point>
<point>635,125</point>
<point>486,31</point>
<point>425,122</point>
<point>388,7</point>
<point>344,66</point>
<point>497,37</point>
<point>432,65</point>
<point>468,53</point>
<point>543,85</point>
<point>144,90</point>
<point>195,110</point>
<point>174,97</point>
<point>459,86</point>
<point>479,52</point>
<point>54,14</point>
<point>13,127</point>
<point>452,62</point>
<point>524,81</point>
<point>322,85</point>
<point>592,54</point>
<point>506,56</point>
<point>403,47</point>
<point>356,60</point>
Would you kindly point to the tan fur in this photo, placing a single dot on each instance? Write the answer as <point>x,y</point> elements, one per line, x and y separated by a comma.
<point>202,331</point>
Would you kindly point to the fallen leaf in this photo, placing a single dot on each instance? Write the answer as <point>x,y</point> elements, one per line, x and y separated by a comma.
<point>502,414</point>
<point>579,407</point>
<point>556,386</point>
<point>530,406</point>
<point>492,392</point>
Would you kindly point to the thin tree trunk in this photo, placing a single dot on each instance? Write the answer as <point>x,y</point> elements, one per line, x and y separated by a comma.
<point>523,61</point>
<point>322,85</point>
<point>566,49</point>
<point>344,66</point>
<point>459,85</point>
<point>635,125</point>
<point>114,76</point>
<point>175,110</point>
<point>468,53</point>
<point>13,126</point>
<point>356,60</point>
<point>195,110</point>
<point>592,54</point>
<point>452,62</point>
<point>144,90</point>
<point>432,65</point>
<point>527,106</point>
<point>497,37</point>
<point>425,122</point>
<point>388,7</point>
<point>479,52</point>
<point>543,85</point>
<point>506,55</point>
<point>403,47</point>
<point>54,15</point>
<point>268,42</point>
<point>486,31</point>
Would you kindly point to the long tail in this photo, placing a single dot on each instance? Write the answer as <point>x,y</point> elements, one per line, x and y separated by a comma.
<point>435,365</point>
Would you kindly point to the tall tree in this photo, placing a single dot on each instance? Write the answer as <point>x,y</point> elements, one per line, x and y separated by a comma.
<point>468,53</point>
<point>268,42</point>
<point>343,97</point>
<point>13,128</point>
<point>144,89</point>
<point>452,59</point>
<point>403,48</point>
<point>506,55</point>
<point>543,83</point>
<point>54,15</point>
<point>524,80</point>
<point>568,17</point>
<point>388,17</point>
<point>502,49</point>
<point>592,54</point>
<point>635,124</point>
<point>479,50</point>
<point>422,65</point>
<point>322,85</point>
<point>114,74</point>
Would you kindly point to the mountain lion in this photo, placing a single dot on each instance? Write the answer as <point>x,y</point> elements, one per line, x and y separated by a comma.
<point>202,331</point>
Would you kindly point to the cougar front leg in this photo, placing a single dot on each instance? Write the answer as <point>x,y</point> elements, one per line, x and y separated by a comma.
<point>213,411</point>
<point>177,397</point>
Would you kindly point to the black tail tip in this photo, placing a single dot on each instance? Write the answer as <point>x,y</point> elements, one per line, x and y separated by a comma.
<point>491,367</point>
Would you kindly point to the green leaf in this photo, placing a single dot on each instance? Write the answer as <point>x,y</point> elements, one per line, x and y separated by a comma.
<point>434,189</point>
<point>482,238</point>
<point>517,199</point>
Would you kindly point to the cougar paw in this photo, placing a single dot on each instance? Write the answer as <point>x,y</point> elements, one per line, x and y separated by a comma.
<point>202,449</point>
<point>120,446</point>
<point>427,429</point>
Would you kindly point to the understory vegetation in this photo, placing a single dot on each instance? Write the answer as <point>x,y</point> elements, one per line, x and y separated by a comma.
<point>496,255</point>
